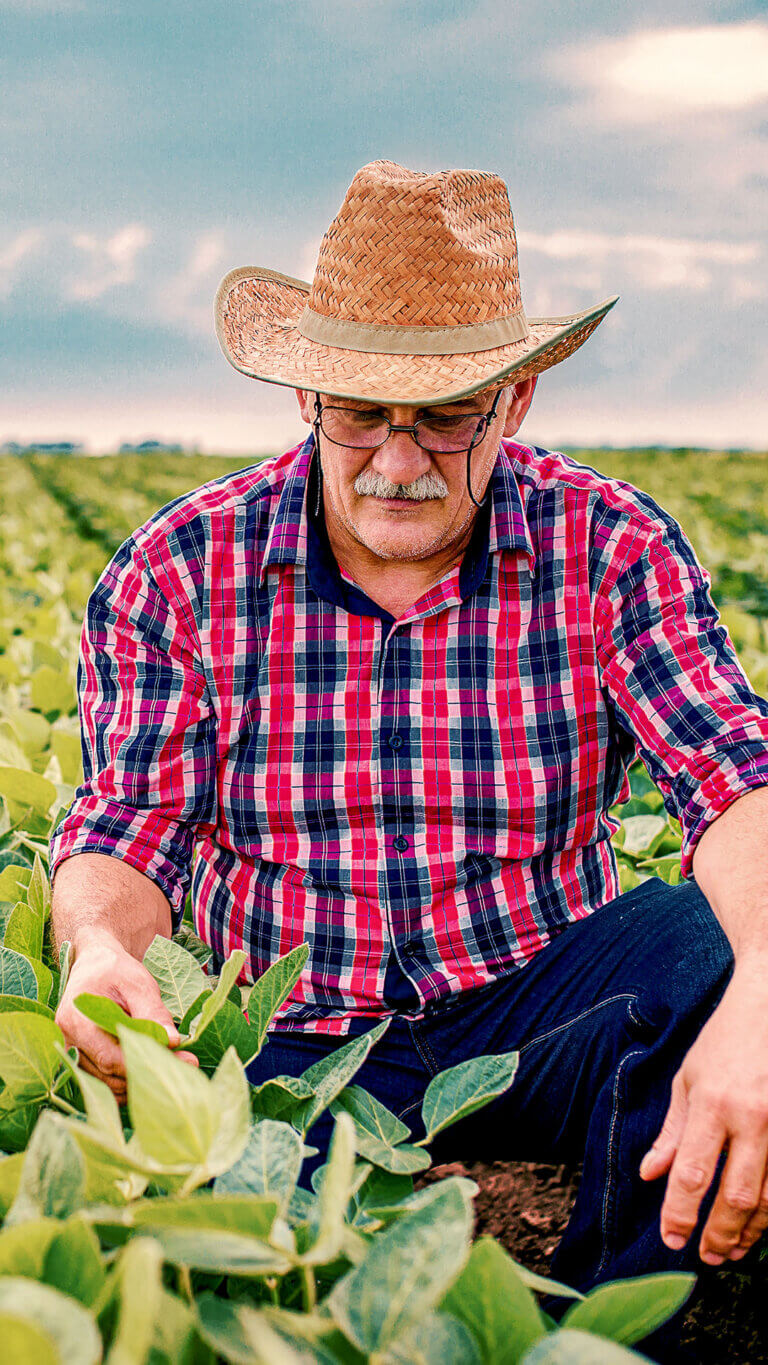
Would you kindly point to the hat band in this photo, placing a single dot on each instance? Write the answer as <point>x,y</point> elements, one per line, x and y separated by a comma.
<point>381,339</point>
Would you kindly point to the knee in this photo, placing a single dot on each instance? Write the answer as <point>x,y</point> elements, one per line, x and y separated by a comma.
<point>695,958</point>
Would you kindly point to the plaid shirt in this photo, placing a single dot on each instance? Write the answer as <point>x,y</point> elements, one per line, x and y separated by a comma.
<point>426,801</point>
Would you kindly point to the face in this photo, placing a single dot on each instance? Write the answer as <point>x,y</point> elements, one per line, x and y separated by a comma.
<point>398,501</point>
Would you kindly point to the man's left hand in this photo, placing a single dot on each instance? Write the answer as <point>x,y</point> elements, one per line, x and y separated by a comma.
<point>719,1103</point>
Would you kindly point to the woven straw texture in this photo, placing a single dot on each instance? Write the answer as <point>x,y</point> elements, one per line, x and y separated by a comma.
<point>406,249</point>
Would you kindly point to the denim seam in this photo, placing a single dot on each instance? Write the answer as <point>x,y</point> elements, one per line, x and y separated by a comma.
<point>610,1160</point>
<point>409,1108</point>
<point>612,1000</point>
<point>424,1051</point>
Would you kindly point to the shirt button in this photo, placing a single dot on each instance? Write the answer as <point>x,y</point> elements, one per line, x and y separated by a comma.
<point>395,741</point>
<point>400,843</point>
<point>408,949</point>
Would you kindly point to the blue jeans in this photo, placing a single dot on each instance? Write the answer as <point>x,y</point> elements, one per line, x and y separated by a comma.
<point>602,1018</point>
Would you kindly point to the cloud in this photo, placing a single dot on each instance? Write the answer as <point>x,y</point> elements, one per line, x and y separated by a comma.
<point>111,261</point>
<point>15,255</point>
<point>653,261</point>
<point>655,74</point>
<point>186,297</point>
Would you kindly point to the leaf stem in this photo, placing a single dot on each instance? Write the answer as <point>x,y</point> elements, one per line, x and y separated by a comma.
<point>184,1283</point>
<point>64,1105</point>
<point>309,1288</point>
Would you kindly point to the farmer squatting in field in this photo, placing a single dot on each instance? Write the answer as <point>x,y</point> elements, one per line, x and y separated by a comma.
<point>388,683</point>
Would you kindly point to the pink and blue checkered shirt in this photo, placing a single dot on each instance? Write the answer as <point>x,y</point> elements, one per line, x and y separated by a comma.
<point>424,801</point>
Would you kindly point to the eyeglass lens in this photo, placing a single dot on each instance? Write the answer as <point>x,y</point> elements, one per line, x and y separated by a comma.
<point>365,430</point>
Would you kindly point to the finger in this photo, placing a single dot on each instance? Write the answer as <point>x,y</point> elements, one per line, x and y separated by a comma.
<point>737,1199</point>
<point>139,994</point>
<point>691,1174</point>
<point>188,1057</point>
<point>755,1226</point>
<point>116,1083</point>
<point>91,1041</point>
<point>660,1156</point>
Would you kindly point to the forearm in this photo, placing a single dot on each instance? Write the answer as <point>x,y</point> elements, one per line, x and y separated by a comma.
<point>96,896</point>
<point>730,865</point>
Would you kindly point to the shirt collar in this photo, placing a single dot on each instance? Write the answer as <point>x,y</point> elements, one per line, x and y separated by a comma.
<point>288,540</point>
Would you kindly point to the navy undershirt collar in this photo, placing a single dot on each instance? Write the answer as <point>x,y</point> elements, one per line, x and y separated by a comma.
<point>327,582</point>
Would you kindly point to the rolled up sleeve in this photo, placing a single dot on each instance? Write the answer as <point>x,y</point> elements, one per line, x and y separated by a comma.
<point>148,732</point>
<point>675,683</point>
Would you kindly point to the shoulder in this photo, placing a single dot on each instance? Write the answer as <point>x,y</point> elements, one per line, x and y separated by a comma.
<point>540,472</point>
<point>253,492</point>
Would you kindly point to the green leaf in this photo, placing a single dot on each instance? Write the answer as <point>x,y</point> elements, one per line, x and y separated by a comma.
<point>176,1341</point>
<point>73,1262</point>
<point>642,833</point>
<point>140,1293</point>
<point>52,690</point>
<point>407,1270</point>
<point>66,1322</point>
<point>491,1298</point>
<point>24,931</point>
<point>541,1284</point>
<point>229,974</point>
<point>220,1252</point>
<point>628,1310</point>
<point>188,1019</point>
<point>228,1028</point>
<point>65,966</point>
<point>14,880</point>
<point>435,1340</point>
<point>285,1098</point>
<point>105,1012</point>
<point>247,1337</point>
<point>23,1249</point>
<point>335,1194</point>
<point>10,1175</point>
<point>378,1131</point>
<point>332,1074</point>
<point>39,890</point>
<point>179,1116</point>
<point>250,1214</point>
<point>464,1088</point>
<point>578,1348</point>
<point>28,1057</point>
<point>69,753</point>
<point>273,988</point>
<point>180,977</point>
<point>382,1192</point>
<point>100,1104</point>
<point>25,1344</point>
<point>270,1164</point>
<point>27,788</point>
<point>17,976</point>
<point>44,979</point>
<point>15,1004</point>
<point>52,1177</point>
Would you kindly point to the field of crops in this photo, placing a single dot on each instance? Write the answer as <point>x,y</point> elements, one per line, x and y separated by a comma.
<point>180,1230</point>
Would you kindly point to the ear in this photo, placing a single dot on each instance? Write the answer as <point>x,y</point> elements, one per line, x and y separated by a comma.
<point>519,404</point>
<point>306,401</point>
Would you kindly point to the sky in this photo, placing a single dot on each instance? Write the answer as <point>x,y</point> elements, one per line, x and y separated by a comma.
<point>146,149</point>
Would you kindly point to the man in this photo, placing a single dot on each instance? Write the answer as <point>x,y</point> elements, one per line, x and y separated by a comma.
<point>388,684</point>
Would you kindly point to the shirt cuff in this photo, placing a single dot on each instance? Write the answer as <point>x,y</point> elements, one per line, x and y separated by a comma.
<point>141,839</point>
<point>722,776</point>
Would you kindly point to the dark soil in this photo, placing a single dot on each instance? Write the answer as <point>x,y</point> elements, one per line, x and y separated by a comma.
<point>526,1207</point>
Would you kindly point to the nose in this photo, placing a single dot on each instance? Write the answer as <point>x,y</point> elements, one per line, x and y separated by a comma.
<point>400,459</point>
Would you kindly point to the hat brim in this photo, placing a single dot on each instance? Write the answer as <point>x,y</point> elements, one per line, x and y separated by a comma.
<point>257,313</point>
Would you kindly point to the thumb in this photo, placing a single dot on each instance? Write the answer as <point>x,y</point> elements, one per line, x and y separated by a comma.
<point>660,1156</point>
<point>142,1000</point>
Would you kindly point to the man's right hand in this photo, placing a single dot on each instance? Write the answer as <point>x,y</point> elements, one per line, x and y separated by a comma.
<point>104,967</point>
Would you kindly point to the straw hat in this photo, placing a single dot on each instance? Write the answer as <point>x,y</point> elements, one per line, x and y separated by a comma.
<point>415,298</point>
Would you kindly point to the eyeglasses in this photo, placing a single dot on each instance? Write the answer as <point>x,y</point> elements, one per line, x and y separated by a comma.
<point>360,430</point>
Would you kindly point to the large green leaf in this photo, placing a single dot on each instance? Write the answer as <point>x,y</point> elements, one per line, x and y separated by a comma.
<point>14,880</point>
<point>285,1098</point>
<point>39,890</point>
<point>23,1249</point>
<point>335,1193</point>
<point>52,1180</point>
<point>491,1298</point>
<point>435,1340</point>
<point>407,1270</point>
<point>250,1214</point>
<point>273,988</point>
<point>17,976</point>
<point>27,789</point>
<point>228,1028</point>
<point>180,977</point>
<point>28,1056</point>
<point>73,1262</point>
<point>332,1074</point>
<point>270,1164</point>
<point>578,1348</point>
<point>464,1088</point>
<point>379,1133</point>
<point>105,1012</point>
<point>24,931</point>
<point>13,1004</point>
<point>628,1310</point>
<point>229,974</point>
<point>25,1344</point>
<point>247,1336</point>
<point>220,1252</point>
<point>69,1325</point>
<point>140,1296</point>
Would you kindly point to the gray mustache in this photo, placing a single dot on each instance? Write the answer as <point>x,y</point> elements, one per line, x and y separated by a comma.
<point>371,484</point>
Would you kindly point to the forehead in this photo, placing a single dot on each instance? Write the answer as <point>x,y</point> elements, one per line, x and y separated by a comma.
<point>478,402</point>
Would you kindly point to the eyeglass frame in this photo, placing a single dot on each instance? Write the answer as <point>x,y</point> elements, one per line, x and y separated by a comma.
<point>484,421</point>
